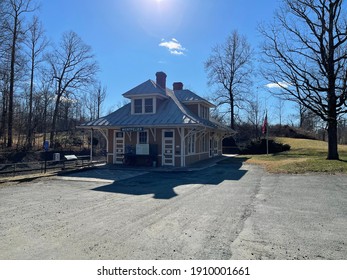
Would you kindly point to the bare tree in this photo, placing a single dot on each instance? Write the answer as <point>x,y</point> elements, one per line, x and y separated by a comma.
<point>3,29</point>
<point>117,106</point>
<point>93,101</point>
<point>305,115</point>
<point>306,52</point>
<point>280,109</point>
<point>13,12</point>
<point>4,70</point>
<point>100,96</point>
<point>255,111</point>
<point>4,83</point>
<point>229,70</point>
<point>36,44</point>
<point>309,121</point>
<point>73,67</point>
<point>43,102</point>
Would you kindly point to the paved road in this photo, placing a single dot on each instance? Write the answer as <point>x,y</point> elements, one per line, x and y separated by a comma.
<point>230,211</point>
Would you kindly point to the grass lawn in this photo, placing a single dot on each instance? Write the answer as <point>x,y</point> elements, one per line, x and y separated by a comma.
<point>304,156</point>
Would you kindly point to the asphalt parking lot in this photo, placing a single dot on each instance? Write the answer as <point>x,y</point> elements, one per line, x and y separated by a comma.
<point>229,211</point>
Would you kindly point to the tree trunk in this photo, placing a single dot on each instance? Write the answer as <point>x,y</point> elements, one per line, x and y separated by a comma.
<point>332,140</point>
<point>232,121</point>
<point>11,93</point>
<point>30,130</point>
<point>44,126</point>
<point>332,126</point>
<point>54,121</point>
<point>4,115</point>
<point>332,114</point>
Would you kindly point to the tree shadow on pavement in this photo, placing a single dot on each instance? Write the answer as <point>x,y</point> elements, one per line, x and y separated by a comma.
<point>162,184</point>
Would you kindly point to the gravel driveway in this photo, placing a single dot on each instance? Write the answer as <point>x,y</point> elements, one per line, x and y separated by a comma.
<point>229,211</point>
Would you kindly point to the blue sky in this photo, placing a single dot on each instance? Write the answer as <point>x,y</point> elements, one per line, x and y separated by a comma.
<point>133,39</point>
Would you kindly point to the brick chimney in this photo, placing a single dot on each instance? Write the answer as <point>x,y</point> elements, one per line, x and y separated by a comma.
<point>177,86</point>
<point>161,79</point>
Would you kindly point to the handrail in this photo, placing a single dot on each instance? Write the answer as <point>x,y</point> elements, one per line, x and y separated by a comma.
<point>39,166</point>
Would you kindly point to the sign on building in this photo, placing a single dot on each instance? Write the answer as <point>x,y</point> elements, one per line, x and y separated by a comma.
<point>131,129</point>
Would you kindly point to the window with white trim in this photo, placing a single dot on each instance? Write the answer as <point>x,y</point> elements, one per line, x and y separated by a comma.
<point>119,135</point>
<point>204,112</point>
<point>168,134</point>
<point>142,137</point>
<point>138,106</point>
<point>204,146</point>
<point>191,144</point>
<point>148,105</point>
<point>143,105</point>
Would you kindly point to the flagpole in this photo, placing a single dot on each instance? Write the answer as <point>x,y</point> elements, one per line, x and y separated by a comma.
<point>267,136</point>
<point>265,130</point>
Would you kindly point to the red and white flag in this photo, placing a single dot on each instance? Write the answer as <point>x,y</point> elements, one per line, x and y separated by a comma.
<point>264,126</point>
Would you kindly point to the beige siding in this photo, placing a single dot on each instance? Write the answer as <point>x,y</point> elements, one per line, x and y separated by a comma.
<point>110,159</point>
<point>110,140</point>
<point>110,135</point>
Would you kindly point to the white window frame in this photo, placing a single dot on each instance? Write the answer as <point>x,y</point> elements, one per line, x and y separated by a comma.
<point>204,112</point>
<point>138,136</point>
<point>143,106</point>
<point>133,105</point>
<point>192,144</point>
<point>204,147</point>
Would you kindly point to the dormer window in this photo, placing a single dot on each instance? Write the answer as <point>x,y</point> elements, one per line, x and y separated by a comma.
<point>143,105</point>
<point>138,106</point>
<point>204,112</point>
<point>148,105</point>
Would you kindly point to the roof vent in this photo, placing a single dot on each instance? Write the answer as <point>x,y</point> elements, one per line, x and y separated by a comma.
<point>161,79</point>
<point>177,86</point>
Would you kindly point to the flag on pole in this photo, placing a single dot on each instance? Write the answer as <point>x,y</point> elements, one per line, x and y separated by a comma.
<point>264,126</point>
<point>265,130</point>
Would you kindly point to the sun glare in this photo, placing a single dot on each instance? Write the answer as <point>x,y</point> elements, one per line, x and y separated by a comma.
<point>158,18</point>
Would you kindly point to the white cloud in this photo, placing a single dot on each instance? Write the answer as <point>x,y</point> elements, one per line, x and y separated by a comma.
<point>173,46</point>
<point>278,85</point>
<point>176,52</point>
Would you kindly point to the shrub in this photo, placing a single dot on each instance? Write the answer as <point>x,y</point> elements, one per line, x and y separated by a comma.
<point>259,147</point>
<point>76,141</point>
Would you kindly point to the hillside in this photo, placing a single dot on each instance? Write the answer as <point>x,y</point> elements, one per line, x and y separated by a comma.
<point>304,156</point>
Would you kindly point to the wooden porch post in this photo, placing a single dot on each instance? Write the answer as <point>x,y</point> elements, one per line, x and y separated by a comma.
<point>91,145</point>
<point>183,161</point>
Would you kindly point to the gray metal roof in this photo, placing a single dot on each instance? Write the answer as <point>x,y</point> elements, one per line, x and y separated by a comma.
<point>187,96</point>
<point>167,114</point>
<point>171,112</point>
<point>146,88</point>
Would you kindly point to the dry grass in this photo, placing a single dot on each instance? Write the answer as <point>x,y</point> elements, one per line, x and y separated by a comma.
<point>304,156</point>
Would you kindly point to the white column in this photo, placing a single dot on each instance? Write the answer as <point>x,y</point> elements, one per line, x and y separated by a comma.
<point>183,158</point>
<point>91,145</point>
